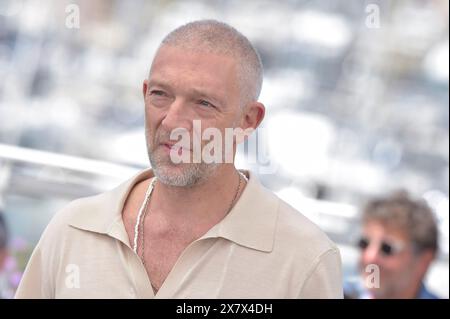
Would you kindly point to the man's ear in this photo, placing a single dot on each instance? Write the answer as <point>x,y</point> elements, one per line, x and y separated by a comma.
<point>144,87</point>
<point>426,258</point>
<point>253,115</point>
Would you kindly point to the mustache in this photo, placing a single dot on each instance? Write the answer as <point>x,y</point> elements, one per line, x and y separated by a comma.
<point>163,137</point>
<point>180,136</point>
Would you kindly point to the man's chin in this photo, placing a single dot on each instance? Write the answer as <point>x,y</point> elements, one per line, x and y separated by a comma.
<point>172,174</point>
<point>376,287</point>
<point>168,169</point>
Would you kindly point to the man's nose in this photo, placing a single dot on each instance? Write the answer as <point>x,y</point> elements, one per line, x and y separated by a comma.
<point>371,255</point>
<point>177,116</point>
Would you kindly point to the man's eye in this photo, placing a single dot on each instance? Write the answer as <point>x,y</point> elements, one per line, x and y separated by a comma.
<point>205,103</point>
<point>157,93</point>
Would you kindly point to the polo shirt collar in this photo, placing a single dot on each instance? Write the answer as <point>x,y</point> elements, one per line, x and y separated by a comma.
<point>250,223</point>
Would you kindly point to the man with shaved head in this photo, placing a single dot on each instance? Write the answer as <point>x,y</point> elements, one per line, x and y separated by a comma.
<point>189,227</point>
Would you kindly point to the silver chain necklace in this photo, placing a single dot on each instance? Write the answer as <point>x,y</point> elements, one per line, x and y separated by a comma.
<point>141,210</point>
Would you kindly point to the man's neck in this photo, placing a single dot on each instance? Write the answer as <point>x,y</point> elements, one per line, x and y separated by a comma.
<point>206,202</point>
<point>411,291</point>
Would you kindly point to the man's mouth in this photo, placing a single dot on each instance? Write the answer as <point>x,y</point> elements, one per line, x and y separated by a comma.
<point>174,147</point>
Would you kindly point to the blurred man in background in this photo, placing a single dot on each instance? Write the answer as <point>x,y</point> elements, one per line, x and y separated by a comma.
<point>398,244</point>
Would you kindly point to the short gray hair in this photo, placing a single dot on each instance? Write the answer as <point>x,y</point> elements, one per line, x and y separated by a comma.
<point>220,38</point>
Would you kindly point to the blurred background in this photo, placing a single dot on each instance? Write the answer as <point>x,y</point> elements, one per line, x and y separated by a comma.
<point>359,90</point>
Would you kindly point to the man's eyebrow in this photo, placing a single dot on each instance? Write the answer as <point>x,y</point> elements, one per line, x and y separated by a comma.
<point>158,83</point>
<point>193,91</point>
<point>215,98</point>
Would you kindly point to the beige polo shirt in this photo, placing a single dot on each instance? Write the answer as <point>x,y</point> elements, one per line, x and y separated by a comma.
<point>262,249</point>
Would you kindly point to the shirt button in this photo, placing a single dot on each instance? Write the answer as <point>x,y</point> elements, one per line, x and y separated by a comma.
<point>132,292</point>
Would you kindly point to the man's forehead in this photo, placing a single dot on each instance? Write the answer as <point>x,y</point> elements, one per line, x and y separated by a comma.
<point>384,228</point>
<point>179,54</point>
<point>172,65</point>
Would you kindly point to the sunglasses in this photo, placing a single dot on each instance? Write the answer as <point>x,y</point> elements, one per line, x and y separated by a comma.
<point>387,248</point>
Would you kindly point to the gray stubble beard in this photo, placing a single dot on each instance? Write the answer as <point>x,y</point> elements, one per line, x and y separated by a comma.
<point>192,173</point>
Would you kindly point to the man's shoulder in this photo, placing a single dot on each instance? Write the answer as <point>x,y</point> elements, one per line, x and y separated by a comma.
<point>82,213</point>
<point>80,206</point>
<point>313,255</point>
<point>424,293</point>
<point>298,232</point>
<point>93,212</point>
